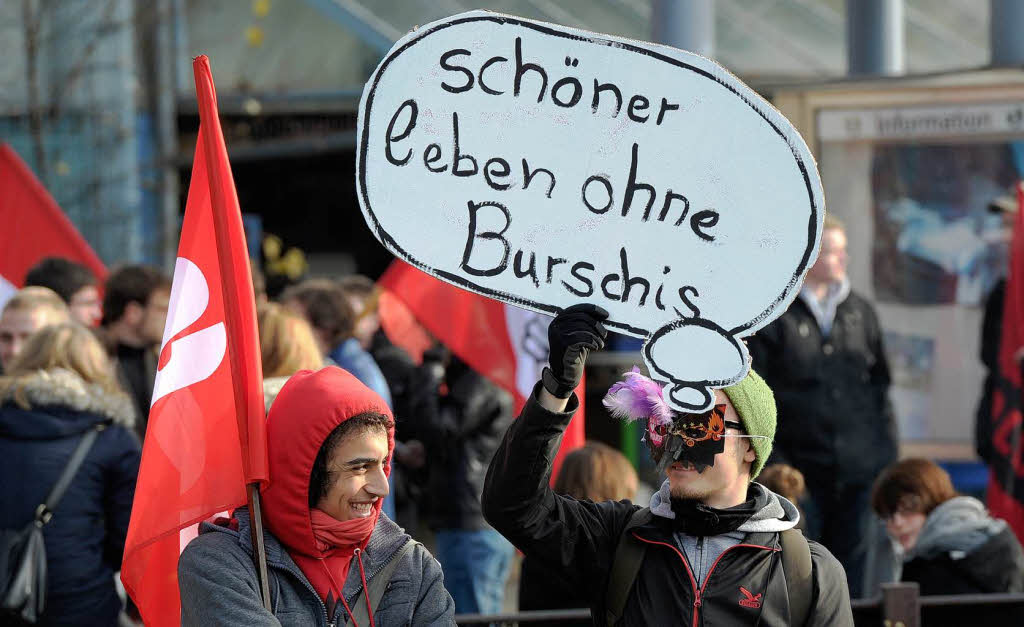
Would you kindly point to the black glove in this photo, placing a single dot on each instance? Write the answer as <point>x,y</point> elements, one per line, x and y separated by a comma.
<point>571,336</point>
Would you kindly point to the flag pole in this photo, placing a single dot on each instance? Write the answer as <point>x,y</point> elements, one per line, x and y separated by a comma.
<point>259,553</point>
<point>242,350</point>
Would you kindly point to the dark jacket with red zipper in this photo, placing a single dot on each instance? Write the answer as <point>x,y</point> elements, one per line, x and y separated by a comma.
<point>743,585</point>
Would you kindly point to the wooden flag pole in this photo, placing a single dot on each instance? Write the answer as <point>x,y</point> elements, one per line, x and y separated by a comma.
<point>259,550</point>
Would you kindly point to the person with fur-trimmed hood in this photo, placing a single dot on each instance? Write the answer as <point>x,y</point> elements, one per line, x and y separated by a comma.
<point>330,440</point>
<point>713,547</point>
<point>60,387</point>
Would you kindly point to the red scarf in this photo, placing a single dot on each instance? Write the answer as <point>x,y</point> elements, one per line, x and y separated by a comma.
<point>336,540</point>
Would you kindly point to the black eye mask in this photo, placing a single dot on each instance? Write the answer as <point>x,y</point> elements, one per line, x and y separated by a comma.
<point>693,438</point>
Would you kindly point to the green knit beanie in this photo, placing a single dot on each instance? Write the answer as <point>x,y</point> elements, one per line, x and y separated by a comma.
<point>755,405</point>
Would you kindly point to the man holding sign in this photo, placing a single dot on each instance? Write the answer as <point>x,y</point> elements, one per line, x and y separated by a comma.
<point>543,166</point>
<point>712,546</point>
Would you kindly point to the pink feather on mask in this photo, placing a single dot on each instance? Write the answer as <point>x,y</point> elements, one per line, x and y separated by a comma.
<point>638,397</point>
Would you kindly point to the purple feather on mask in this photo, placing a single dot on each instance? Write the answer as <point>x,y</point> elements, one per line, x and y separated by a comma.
<point>637,397</point>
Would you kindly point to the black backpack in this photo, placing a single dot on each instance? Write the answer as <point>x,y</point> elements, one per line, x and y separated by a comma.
<point>23,552</point>
<point>796,566</point>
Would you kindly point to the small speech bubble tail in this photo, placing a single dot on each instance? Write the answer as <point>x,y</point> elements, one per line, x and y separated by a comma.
<point>697,397</point>
<point>669,353</point>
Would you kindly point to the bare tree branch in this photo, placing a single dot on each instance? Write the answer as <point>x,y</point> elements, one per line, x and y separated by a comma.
<point>35,112</point>
<point>62,88</point>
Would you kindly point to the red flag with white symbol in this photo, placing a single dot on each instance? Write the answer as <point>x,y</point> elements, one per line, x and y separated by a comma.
<point>506,344</point>
<point>206,437</point>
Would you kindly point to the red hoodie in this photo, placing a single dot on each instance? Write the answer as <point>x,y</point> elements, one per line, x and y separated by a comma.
<point>308,408</point>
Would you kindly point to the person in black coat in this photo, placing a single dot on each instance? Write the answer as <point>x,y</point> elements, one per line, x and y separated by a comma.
<point>60,387</point>
<point>946,543</point>
<point>825,361</point>
<point>460,417</point>
<point>713,537</point>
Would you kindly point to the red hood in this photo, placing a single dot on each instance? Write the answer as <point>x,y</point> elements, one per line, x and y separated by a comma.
<point>308,408</point>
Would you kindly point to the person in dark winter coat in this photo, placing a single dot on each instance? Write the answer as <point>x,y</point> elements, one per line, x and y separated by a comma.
<point>330,440</point>
<point>59,388</point>
<point>825,362</point>
<point>460,416</point>
<point>946,543</point>
<point>710,539</point>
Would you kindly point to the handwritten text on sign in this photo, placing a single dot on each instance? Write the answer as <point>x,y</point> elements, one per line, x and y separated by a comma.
<point>546,166</point>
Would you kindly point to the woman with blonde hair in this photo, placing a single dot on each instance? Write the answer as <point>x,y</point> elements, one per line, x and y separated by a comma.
<point>59,388</point>
<point>287,344</point>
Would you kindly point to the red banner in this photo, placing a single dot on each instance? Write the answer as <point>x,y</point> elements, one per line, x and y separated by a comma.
<point>503,343</point>
<point>34,227</point>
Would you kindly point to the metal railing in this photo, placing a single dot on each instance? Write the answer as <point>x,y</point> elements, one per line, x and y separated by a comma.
<point>899,605</point>
<point>523,617</point>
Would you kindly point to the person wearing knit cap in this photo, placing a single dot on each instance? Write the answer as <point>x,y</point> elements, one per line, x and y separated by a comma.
<point>712,547</point>
<point>333,557</point>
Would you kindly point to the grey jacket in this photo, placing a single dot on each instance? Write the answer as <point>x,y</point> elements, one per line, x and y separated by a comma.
<point>218,583</point>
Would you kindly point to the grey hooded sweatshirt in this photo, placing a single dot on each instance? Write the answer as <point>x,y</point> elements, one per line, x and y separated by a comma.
<point>963,550</point>
<point>702,551</point>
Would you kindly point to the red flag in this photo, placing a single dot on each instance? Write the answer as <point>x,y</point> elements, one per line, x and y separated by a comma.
<point>206,437</point>
<point>1006,483</point>
<point>506,344</point>
<point>34,227</point>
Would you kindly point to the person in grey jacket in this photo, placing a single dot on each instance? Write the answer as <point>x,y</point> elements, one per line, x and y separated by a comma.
<point>330,441</point>
<point>948,544</point>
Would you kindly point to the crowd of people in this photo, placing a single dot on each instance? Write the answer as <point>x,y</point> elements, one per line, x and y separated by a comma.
<point>403,486</point>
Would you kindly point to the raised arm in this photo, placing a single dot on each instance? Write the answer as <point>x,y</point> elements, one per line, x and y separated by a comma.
<point>575,538</point>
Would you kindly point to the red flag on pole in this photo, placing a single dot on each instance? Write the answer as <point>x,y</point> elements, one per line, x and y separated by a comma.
<point>206,438</point>
<point>1006,483</point>
<point>34,227</point>
<point>506,344</point>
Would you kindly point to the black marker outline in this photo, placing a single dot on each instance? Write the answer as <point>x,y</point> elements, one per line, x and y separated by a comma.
<point>788,292</point>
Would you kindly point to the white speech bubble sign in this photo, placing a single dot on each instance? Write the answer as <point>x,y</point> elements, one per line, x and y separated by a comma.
<point>546,166</point>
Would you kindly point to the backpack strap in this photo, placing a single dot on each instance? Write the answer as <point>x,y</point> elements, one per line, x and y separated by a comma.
<point>629,554</point>
<point>378,585</point>
<point>45,510</point>
<point>796,566</point>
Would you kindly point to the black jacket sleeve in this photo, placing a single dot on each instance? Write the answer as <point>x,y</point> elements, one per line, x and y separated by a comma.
<point>576,539</point>
<point>119,491</point>
<point>880,382</point>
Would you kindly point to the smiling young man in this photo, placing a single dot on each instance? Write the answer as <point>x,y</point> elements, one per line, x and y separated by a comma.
<point>329,441</point>
<point>713,547</point>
